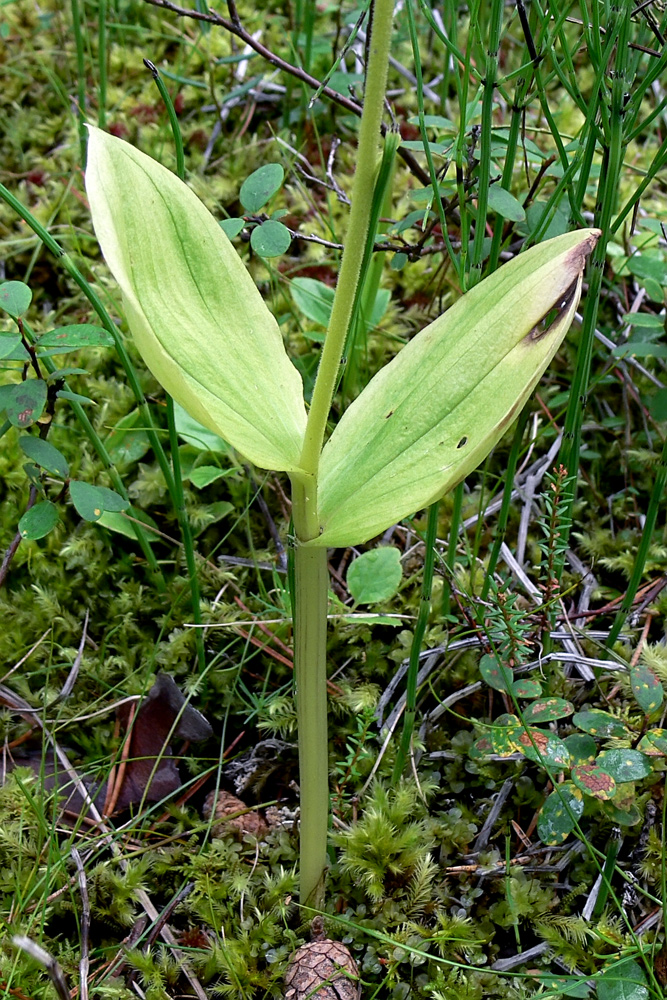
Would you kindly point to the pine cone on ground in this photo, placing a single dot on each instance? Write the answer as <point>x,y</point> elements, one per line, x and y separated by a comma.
<point>322,969</point>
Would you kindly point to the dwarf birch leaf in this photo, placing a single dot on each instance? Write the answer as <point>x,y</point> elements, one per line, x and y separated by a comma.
<point>559,814</point>
<point>24,402</point>
<point>599,723</point>
<point>548,710</point>
<point>625,765</point>
<point>654,743</point>
<point>193,309</point>
<point>44,454</point>
<point>431,415</point>
<point>582,747</point>
<point>496,674</point>
<point>594,781</point>
<point>39,520</point>
<point>527,688</point>
<point>262,184</point>
<point>375,575</point>
<point>15,297</point>
<point>646,688</point>
<point>271,239</point>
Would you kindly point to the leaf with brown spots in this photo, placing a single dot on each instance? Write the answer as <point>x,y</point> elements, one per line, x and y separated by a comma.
<point>592,780</point>
<point>548,710</point>
<point>646,688</point>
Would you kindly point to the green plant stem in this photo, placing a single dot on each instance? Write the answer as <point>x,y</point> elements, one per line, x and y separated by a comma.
<point>417,640</point>
<point>81,78</point>
<point>311,582</point>
<point>506,505</point>
<point>450,557</point>
<point>355,241</point>
<point>657,495</point>
<point>310,565</point>
<point>102,63</point>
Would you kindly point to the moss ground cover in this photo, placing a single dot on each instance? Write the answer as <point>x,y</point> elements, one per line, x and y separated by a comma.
<point>518,850</point>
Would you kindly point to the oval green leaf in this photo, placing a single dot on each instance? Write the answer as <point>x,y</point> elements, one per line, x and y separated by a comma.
<point>600,724</point>
<point>625,765</point>
<point>39,520</point>
<point>376,575</point>
<point>24,402</point>
<point>45,455</point>
<point>204,475</point>
<point>623,980</point>
<point>15,298</point>
<point>262,184</point>
<point>91,501</point>
<point>313,298</point>
<point>231,227</point>
<point>69,338</point>
<point>548,710</point>
<point>497,675</point>
<point>560,813</point>
<point>527,688</point>
<point>194,311</point>
<point>543,748</point>
<point>582,747</point>
<point>594,781</point>
<point>271,239</point>
<point>654,743</point>
<point>9,342</point>
<point>646,688</point>
<point>431,415</point>
<point>505,204</point>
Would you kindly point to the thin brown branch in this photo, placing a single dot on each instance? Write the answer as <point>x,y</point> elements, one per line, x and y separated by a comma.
<point>234,27</point>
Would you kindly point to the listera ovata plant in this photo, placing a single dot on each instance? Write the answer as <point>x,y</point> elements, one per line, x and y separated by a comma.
<point>426,420</point>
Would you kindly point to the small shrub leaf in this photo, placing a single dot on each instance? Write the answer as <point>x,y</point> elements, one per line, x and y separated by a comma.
<point>555,823</point>
<point>622,981</point>
<point>625,765</point>
<point>582,747</point>
<point>527,688</point>
<point>505,204</point>
<point>654,743</point>
<point>9,342</point>
<point>271,239</point>
<point>548,710</point>
<point>313,298</point>
<point>204,475</point>
<point>15,298</point>
<point>594,781</point>
<point>44,454</point>
<point>261,186</point>
<point>39,520</point>
<point>91,501</point>
<point>543,748</point>
<point>599,723</point>
<point>232,227</point>
<point>24,403</point>
<point>375,575</point>
<point>646,688</point>
<point>497,675</point>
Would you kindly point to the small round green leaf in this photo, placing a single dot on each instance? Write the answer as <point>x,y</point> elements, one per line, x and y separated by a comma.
<point>271,239</point>
<point>505,204</point>
<point>262,184</point>
<point>9,342</point>
<point>24,402</point>
<point>232,227</point>
<point>654,743</point>
<point>594,781</point>
<point>582,747</point>
<point>44,454</point>
<point>91,501</point>
<point>494,673</point>
<point>39,520</point>
<point>527,688</point>
<point>623,980</point>
<point>625,765</point>
<point>599,723</point>
<point>548,710</point>
<point>375,575</point>
<point>481,748</point>
<point>543,748</point>
<point>646,688</point>
<point>313,298</point>
<point>559,814</point>
<point>15,298</point>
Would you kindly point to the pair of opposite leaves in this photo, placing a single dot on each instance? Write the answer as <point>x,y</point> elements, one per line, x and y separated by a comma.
<point>425,421</point>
